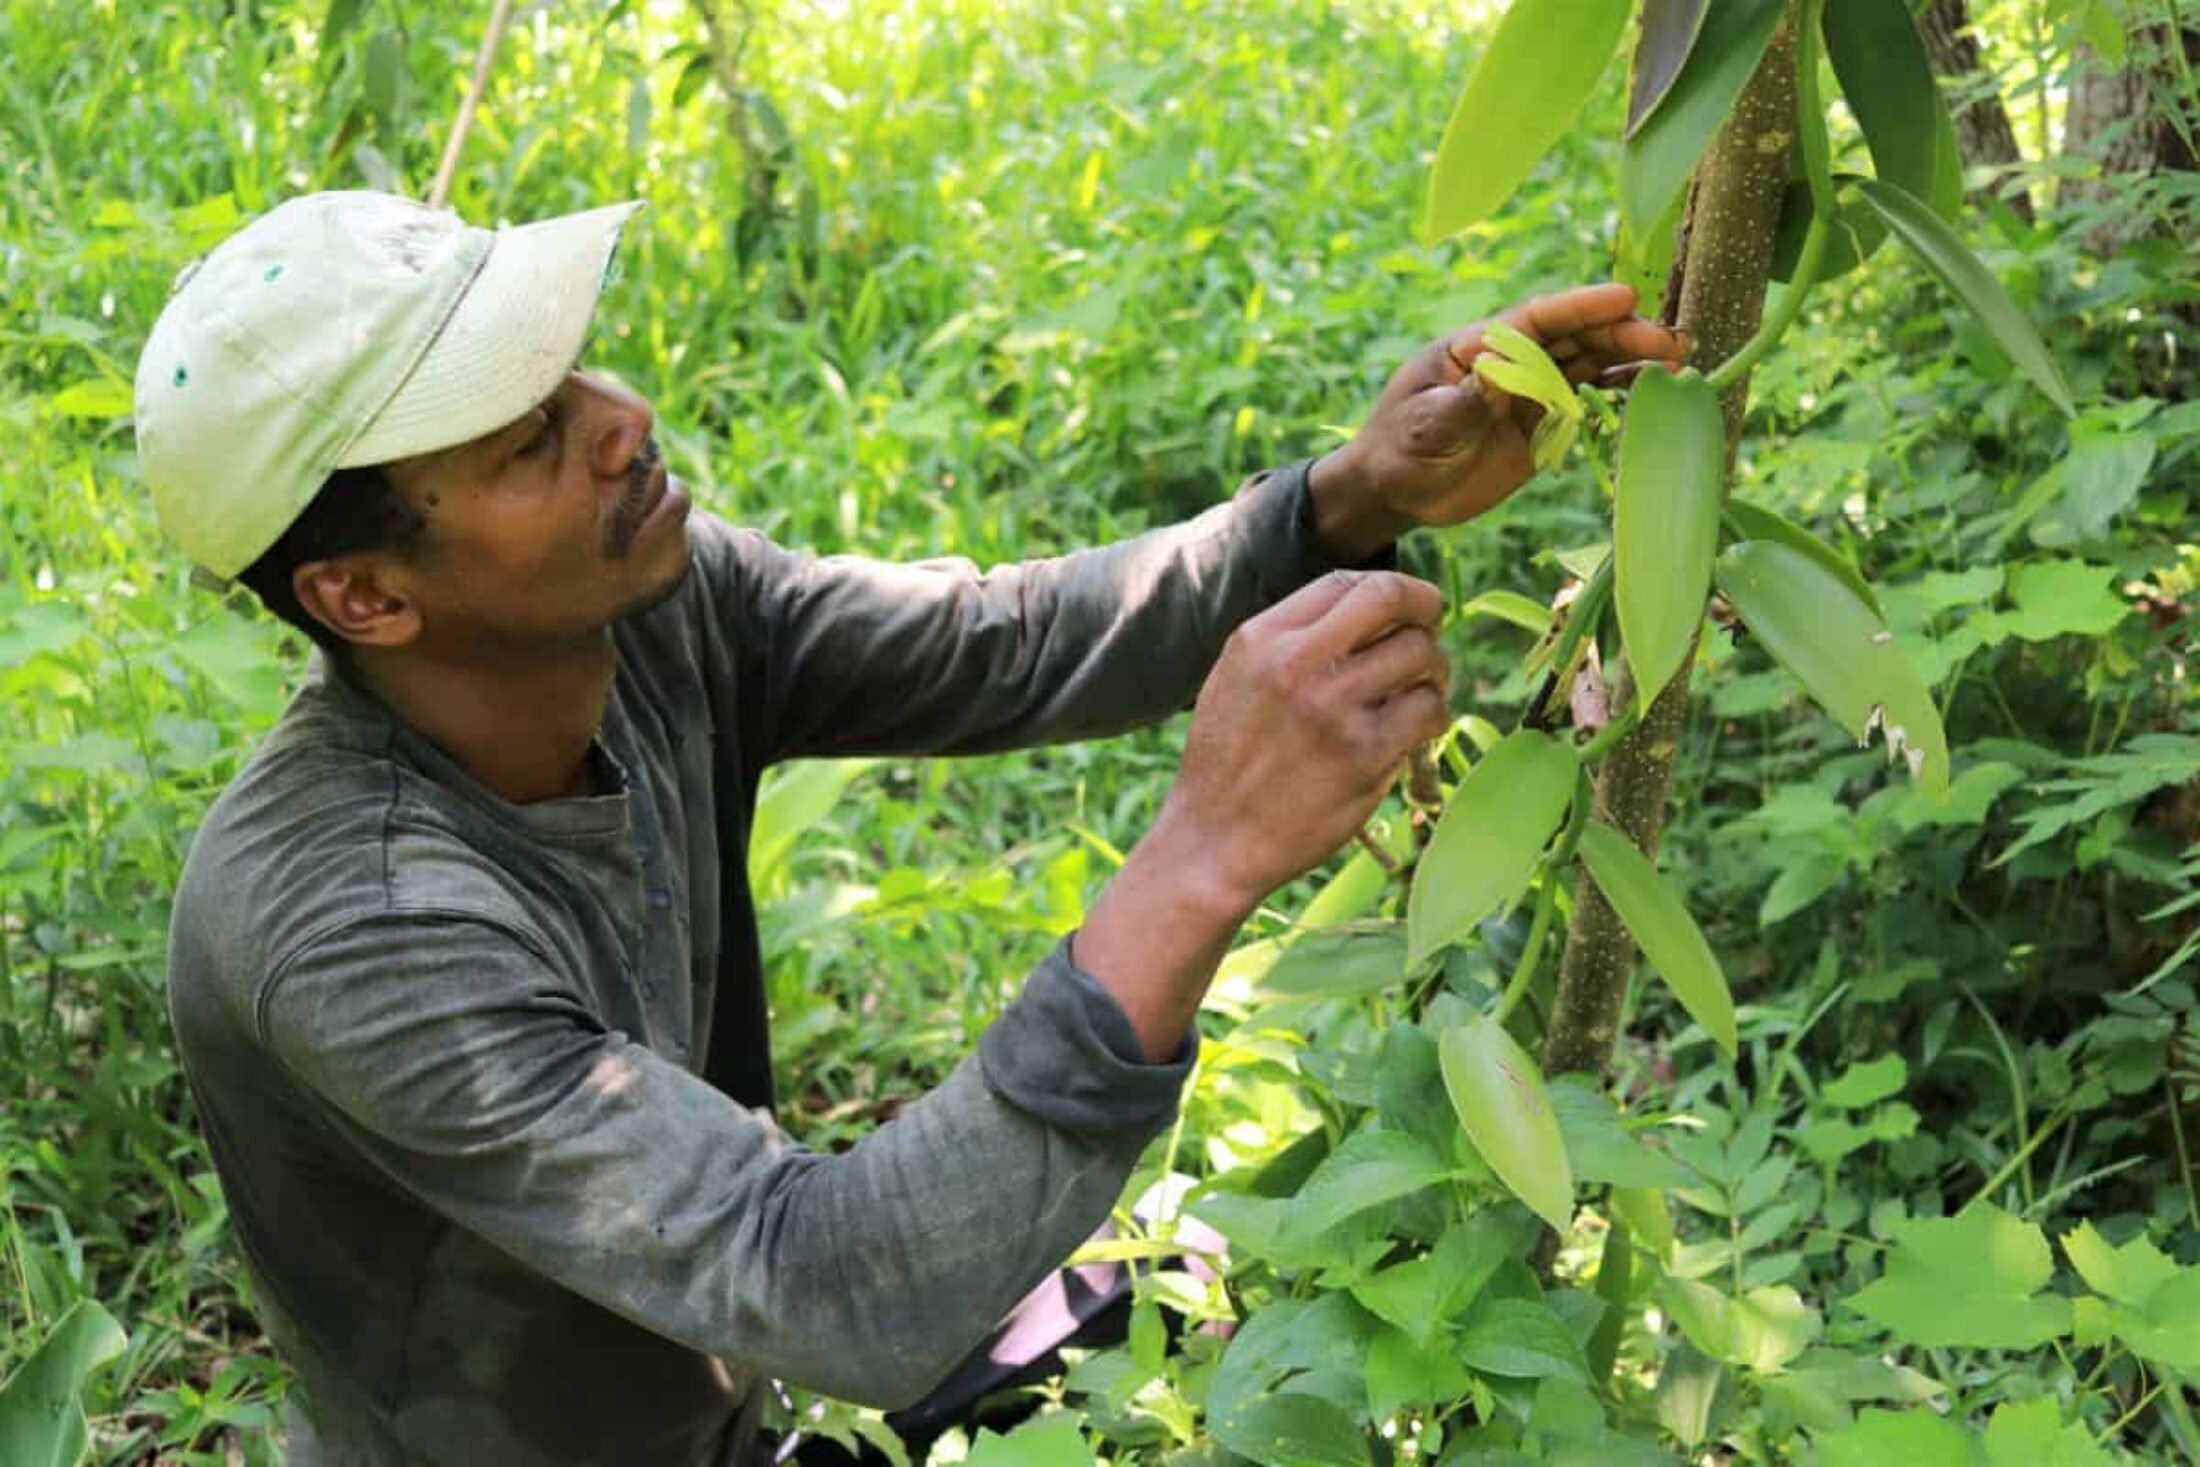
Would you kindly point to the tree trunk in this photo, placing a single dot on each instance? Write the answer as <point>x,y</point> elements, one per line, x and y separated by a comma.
<point>1983,133</point>
<point>2133,119</point>
<point>1722,269</point>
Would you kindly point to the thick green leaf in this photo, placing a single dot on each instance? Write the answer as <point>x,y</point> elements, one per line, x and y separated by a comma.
<point>1600,1149</point>
<point>1404,1371</point>
<point>2060,598</point>
<point>1422,1293</point>
<point>1337,963</point>
<point>1489,839</point>
<point>1758,523</point>
<point>1762,1330</point>
<point>1292,1430</point>
<point>1972,1280</point>
<point>1919,1438</point>
<point>1888,80</point>
<point>1521,1339</point>
<point>2127,1275</point>
<point>1532,82</point>
<point>1369,1169</point>
<point>1818,629</point>
<point>41,1407</point>
<point>1319,1346</point>
<point>1961,271</point>
<point>1867,1082</point>
<point>2033,1435</point>
<point>1656,160</point>
<point>1662,928</point>
<point>1672,468</point>
<point>1498,1093</point>
<point>1047,1441</point>
<point>2166,1328</point>
<point>1668,33</point>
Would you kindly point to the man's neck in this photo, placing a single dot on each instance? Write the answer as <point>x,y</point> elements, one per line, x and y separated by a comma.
<point>519,722</point>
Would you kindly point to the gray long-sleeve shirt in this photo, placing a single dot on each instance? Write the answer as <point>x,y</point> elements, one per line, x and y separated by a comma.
<point>488,1085</point>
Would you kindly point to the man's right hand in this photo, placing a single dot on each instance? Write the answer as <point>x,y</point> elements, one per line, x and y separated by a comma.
<point>1304,722</point>
<point>1299,731</point>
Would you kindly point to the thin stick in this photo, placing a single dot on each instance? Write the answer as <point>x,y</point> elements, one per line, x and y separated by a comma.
<point>499,18</point>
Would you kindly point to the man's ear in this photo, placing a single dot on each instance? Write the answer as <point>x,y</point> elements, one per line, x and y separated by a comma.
<point>354,598</point>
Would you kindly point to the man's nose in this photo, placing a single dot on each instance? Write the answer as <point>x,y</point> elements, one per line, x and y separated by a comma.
<point>625,423</point>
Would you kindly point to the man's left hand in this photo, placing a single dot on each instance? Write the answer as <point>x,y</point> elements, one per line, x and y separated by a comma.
<point>1442,445</point>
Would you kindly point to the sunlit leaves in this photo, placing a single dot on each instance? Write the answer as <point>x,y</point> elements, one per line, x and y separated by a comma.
<point>1487,843</point>
<point>1919,1438</point>
<point>1531,83</point>
<point>1497,1091</point>
<point>1662,928</point>
<point>2033,1434</point>
<point>2153,1304</point>
<point>1672,468</point>
<point>1973,1280</point>
<point>1761,1330</point>
<point>1944,254</point>
<point>1838,650</point>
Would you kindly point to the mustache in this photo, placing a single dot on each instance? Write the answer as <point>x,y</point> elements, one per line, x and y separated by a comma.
<point>626,515</point>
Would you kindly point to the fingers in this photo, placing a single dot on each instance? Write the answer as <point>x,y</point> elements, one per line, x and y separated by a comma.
<point>1308,604</point>
<point>1632,339</point>
<point>1374,603</point>
<point>1589,320</point>
<point>1570,312</point>
<point>1391,664</point>
<point>1418,715</point>
<point>1592,369</point>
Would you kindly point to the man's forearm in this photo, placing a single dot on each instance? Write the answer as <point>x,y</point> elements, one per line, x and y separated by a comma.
<point>1157,934</point>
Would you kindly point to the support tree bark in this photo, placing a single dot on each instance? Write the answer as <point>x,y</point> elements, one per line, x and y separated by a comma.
<point>1983,133</point>
<point>1722,269</point>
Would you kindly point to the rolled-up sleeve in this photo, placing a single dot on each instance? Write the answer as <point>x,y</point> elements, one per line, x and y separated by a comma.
<point>861,656</point>
<point>472,1074</point>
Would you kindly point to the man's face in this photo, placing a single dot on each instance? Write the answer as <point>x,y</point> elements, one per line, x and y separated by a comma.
<point>547,529</point>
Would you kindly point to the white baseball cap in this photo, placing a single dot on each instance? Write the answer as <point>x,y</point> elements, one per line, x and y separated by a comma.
<point>343,329</point>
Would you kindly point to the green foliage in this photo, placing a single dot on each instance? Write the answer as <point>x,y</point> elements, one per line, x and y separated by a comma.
<point>1028,277</point>
<point>1537,74</point>
<point>1665,522</point>
<point>1487,845</point>
<point>1828,638</point>
<point>1662,928</point>
<point>41,1416</point>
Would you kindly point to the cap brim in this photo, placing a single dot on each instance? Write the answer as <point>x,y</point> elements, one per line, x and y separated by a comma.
<point>512,338</point>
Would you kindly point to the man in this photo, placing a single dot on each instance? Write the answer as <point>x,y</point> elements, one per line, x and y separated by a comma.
<point>464,969</point>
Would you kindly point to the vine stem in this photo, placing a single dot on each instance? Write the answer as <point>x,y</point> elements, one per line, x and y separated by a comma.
<point>1546,902</point>
<point>1783,311</point>
<point>1619,728</point>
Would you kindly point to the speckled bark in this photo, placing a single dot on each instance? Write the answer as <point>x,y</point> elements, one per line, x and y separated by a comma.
<point>1727,261</point>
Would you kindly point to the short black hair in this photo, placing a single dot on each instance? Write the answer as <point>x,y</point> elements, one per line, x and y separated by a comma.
<point>357,509</point>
